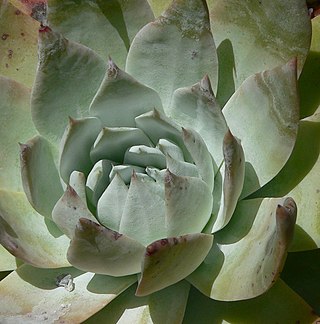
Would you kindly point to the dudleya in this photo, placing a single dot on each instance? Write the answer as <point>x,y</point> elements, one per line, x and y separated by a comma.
<point>141,185</point>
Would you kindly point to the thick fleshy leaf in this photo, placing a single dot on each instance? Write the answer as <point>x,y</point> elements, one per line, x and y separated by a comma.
<point>280,304</point>
<point>181,168</point>
<point>174,51</point>
<point>121,98</point>
<point>68,210</point>
<point>67,78</point>
<point>98,180</point>
<point>234,172</point>
<point>100,250</point>
<point>196,107</point>
<point>145,156</point>
<point>40,177</point>
<point>78,182</point>
<point>82,134</point>
<point>18,46</point>
<point>125,172</point>
<point>310,76</point>
<point>24,233</point>
<point>165,306</point>
<point>111,203</point>
<point>158,126</point>
<point>252,36</point>
<point>265,120</point>
<point>188,204</point>
<point>303,157</point>
<point>15,115</point>
<point>170,260</point>
<point>7,260</point>
<point>45,302</point>
<point>143,218</point>
<point>112,143</point>
<point>200,155</point>
<point>245,263</point>
<point>171,149</point>
<point>113,23</point>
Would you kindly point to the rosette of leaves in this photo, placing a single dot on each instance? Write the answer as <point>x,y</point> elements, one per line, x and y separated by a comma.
<point>154,184</point>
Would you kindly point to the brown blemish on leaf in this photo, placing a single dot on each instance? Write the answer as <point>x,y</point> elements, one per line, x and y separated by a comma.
<point>10,53</point>
<point>17,12</point>
<point>4,36</point>
<point>164,242</point>
<point>151,249</point>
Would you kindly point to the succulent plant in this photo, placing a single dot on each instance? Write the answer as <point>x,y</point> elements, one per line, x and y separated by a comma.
<point>163,174</point>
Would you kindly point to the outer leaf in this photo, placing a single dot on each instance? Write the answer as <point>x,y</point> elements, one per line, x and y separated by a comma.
<point>188,204</point>
<point>16,61</point>
<point>15,115</point>
<point>24,233</point>
<point>7,260</point>
<point>113,23</point>
<point>231,273</point>
<point>67,78</point>
<point>174,51</point>
<point>121,98</point>
<point>43,304</point>
<point>100,250</point>
<point>252,36</point>
<point>279,305</point>
<point>262,117</point>
<point>196,107</point>
<point>40,177</point>
<point>167,261</point>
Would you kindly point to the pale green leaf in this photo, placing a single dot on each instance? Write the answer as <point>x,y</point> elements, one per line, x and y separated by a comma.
<point>252,36</point>
<point>170,260</point>
<point>143,218</point>
<point>7,260</point>
<point>196,107</point>
<point>68,76</point>
<point>100,250</point>
<point>75,146</point>
<point>121,98</point>
<point>111,204</point>
<point>265,120</point>
<point>18,45</point>
<point>175,51</point>
<point>113,23</point>
<point>113,142</point>
<point>24,233</point>
<point>145,156</point>
<point>188,204</point>
<point>40,177</point>
<point>39,299</point>
<point>68,210</point>
<point>245,262</point>
<point>15,115</point>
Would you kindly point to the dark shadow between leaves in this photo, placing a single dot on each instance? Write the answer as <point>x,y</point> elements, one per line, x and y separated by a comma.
<point>113,12</point>
<point>45,278</point>
<point>240,223</point>
<point>308,85</point>
<point>52,228</point>
<point>301,273</point>
<point>226,85</point>
<point>103,284</point>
